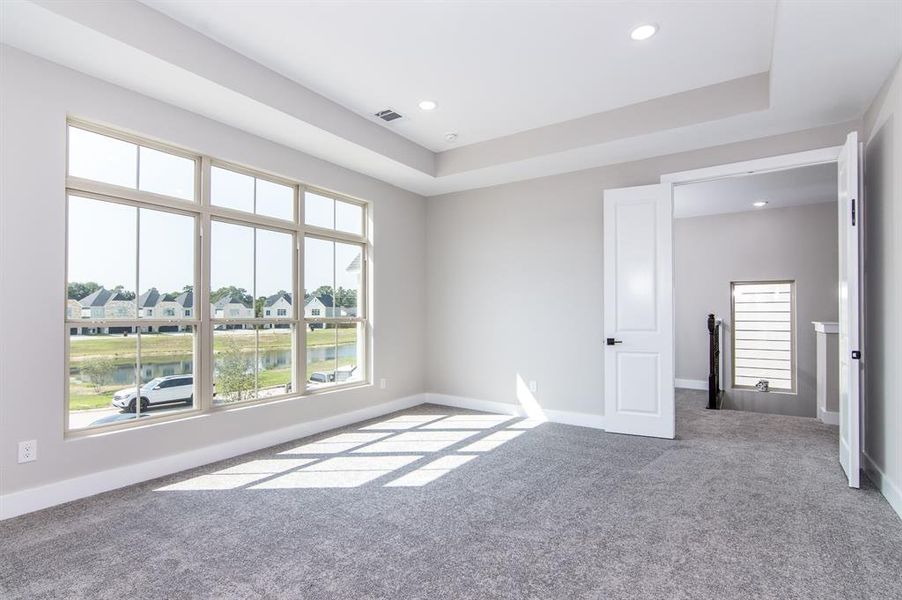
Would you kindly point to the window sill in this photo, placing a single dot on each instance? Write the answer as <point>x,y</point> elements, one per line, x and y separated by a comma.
<point>751,389</point>
<point>288,397</point>
<point>103,430</point>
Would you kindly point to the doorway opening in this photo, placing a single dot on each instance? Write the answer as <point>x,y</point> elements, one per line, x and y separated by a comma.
<point>640,336</point>
<point>758,251</point>
<point>848,358</point>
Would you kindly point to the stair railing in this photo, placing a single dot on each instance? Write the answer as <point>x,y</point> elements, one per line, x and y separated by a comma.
<point>715,366</point>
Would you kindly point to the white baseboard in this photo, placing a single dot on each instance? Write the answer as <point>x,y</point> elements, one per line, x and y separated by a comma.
<point>890,490</point>
<point>691,384</point>
<point>504,408</point>
<point>828,417</point>
<point>501,408</point>
<point>32,499</point>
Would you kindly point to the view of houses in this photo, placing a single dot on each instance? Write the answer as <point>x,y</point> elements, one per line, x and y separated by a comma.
<point>92,301</point>
<point>230,304</point>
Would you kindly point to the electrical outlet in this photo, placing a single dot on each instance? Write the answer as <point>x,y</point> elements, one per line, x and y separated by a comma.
<point>383,383</point>
<point>533,387</point>
<point>28,451</point>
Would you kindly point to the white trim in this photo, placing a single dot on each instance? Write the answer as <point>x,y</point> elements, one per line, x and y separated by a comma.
<point>826,326</point>
<point>32,499</point>
<point>501,408</point>
<point>890,490</point>
<point>691,384</point>
<point>563,417</point>
<point>566,417</point>
<point>760,165</point>
<point>828,417</point>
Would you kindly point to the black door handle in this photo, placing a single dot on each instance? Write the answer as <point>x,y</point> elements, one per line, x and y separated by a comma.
<point>612,341</point>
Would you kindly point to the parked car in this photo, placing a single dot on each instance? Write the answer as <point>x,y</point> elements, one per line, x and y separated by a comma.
<point>338,375</point>
<point>162,390</point>
<point>321,377</point>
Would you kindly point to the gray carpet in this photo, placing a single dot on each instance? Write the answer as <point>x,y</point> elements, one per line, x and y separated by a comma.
<point>741,505</point>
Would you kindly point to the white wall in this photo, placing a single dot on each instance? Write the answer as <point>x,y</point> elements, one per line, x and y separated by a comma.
<point>37,96</point>
<point>710,252</point>
<point>883,290</point>
<point>515,276</point>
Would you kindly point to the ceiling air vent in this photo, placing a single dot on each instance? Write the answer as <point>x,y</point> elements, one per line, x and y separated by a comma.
<point>388,115</point>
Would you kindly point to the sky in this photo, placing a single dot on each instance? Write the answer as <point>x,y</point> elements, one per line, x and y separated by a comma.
<point>104,237</point>
<point>103,246</point>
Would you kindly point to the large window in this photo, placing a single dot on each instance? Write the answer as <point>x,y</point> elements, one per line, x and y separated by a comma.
<point>183,297</point>
<point>763,336</point>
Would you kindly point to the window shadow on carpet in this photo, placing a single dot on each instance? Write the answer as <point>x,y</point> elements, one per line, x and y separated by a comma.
<point>409,450</point>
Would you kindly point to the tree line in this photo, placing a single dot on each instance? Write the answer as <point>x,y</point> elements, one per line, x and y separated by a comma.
<point>78,290</point>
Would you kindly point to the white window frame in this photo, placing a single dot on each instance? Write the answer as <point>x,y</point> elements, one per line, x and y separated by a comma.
<point>362,317</point>
<point>792,336</point>
<point>201,318</point>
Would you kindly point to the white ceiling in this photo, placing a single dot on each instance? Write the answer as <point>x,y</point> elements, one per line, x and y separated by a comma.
<point>780,189</point>
<point>533,88</point>
<point>495,68</point>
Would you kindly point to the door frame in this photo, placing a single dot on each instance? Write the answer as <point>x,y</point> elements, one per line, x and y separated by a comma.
<point>780,162</point>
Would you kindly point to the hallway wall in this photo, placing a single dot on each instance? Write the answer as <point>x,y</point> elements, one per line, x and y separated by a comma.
<point>710,252</point>
<point>882,440</point>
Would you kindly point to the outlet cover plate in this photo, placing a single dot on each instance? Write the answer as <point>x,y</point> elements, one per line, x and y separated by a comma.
<point>28,451</point>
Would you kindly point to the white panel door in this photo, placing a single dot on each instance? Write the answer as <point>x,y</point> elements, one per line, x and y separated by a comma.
<point>849,326</point>
<point>638,311</point>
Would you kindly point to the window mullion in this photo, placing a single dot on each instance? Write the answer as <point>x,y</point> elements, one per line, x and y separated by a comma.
<point>204,341</point>
<point>298,384</point>
<point>137,295</point>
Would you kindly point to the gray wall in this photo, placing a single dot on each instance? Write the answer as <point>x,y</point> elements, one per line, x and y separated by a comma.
<point>37,96</point>
<point>514,277</point>
<point>508,281</point>
<point>883,290</point>
<point>710,252</point>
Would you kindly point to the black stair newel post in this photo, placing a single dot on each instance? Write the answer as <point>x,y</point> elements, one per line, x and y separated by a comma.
<point>713,362</point>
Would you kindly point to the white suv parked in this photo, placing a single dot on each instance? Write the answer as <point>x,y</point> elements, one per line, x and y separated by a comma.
<point>162,390</point>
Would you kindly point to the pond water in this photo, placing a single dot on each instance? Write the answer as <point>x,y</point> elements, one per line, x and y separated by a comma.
<point>124,374</point>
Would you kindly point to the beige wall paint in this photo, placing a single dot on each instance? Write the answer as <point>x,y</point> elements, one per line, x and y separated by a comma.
<point>37,96</point>
<point>882,441</point>
<point>514,281</point>
<point>710,252</point>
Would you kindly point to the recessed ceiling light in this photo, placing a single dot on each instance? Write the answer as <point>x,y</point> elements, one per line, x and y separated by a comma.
<point>643,32</point>
<point>760,204</point>
<point>428,105</point>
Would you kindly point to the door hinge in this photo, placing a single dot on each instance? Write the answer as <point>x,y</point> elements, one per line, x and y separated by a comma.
<point>853,212</point>
<point>856,354</point>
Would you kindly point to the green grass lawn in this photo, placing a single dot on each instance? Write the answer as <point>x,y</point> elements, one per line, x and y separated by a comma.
<point>168,345</point>
<point>157,348</point>
<point>83,397</point>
